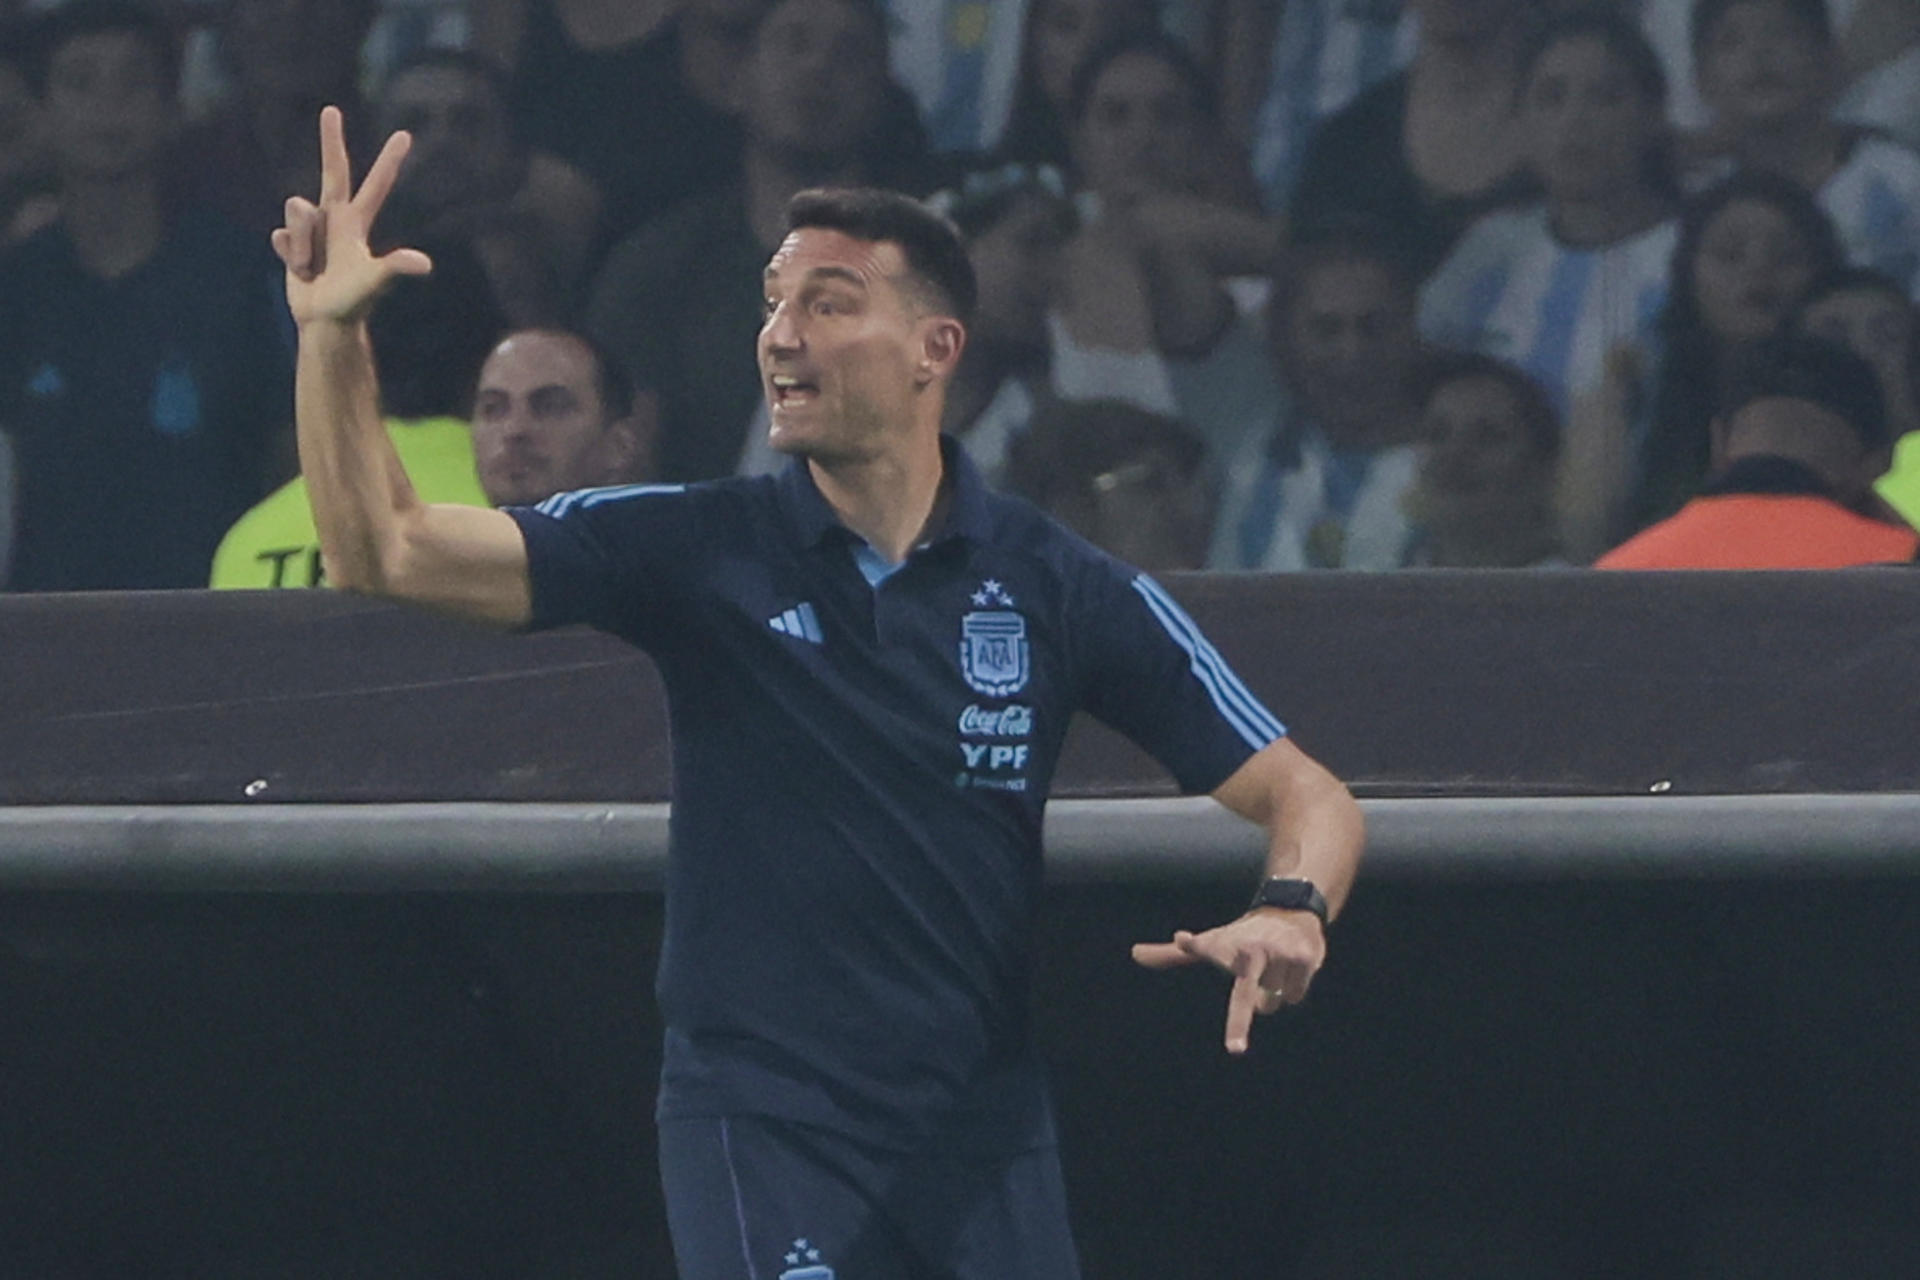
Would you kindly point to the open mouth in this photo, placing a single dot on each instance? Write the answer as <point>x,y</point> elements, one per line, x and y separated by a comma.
<point>789,390</point>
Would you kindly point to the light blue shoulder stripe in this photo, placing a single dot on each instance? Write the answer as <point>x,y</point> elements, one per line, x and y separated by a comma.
<point>562,503</point>
<point>1235,702</point>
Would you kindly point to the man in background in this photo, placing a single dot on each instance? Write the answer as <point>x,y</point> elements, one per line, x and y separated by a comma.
<point>144,373</point>
<point>550,413</point>
<point>1798,453</point>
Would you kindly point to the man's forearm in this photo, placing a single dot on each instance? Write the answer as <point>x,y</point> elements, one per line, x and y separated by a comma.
<point>1316,832</point>
<point>358,489</point>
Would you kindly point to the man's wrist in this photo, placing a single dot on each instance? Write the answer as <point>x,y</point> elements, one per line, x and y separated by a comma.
<point>1287,894</point>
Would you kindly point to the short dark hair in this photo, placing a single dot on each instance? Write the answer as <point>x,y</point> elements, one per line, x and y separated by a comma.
<point>936,257</point>
<point>55,29</point>
<point>1537,413</point>
<point>1811,14</point>
<point>1620,35</point>
<point>1149,42</point>
<point>611,382</point>
<point>1794,366</point>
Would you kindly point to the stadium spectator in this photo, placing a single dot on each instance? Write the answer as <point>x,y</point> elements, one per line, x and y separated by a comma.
<point>553,413</point>
<point>531,218</point>
<point>285,59</point>
<point>1872,317</point>
<point>1132,482</point>
<point>1058,37</point>
<point>602,85</point>
<point>430,335</point>
<point>1797,452</point>
<point>1770,70</point>
<point>1430,149</point>
<point>679,301</point>
<point>1169,225</point>
<point>1555,287</point>
<point>1747,249</point>
<point>143,370</point>
<point>1168,215</point>
<point>1483,496</point>
<point>1286,68</point>
<point>1323,484</point>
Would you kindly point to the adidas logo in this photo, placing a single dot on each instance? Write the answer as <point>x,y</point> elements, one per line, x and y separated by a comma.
<point>800,622</point>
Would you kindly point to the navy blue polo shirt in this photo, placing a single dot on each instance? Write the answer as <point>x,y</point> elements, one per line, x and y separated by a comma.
<point>860,762</point>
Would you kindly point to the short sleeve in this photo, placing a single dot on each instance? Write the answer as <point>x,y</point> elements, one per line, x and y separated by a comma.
<point>1150,673</point>
<point>619,559</point>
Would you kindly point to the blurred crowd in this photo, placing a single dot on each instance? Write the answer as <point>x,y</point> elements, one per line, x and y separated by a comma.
<point>1264,284</point>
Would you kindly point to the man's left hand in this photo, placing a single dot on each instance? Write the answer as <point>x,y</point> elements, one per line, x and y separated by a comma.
<point>1272,955</point>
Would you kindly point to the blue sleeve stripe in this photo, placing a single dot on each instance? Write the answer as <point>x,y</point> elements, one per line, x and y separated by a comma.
<point>1236,703</point>
<point>562,503</point>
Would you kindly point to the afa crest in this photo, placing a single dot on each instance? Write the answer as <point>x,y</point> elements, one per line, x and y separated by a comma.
<point>993,652</point>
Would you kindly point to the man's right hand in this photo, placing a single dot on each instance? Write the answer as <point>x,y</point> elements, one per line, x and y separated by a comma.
<point>332,274</point>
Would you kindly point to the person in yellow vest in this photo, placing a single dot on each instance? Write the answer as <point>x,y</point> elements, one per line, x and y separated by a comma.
<point>1873,317</point>
<point>551,412</point>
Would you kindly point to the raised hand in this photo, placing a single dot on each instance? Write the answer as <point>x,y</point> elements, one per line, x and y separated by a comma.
<point>1272,956</point>
<point>332,274</point>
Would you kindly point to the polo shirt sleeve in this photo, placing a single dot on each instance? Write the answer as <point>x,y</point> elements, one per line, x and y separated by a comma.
<point>619,559</point>
<point>1149,672</point>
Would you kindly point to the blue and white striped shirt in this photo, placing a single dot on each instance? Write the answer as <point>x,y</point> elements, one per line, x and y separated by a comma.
<point>1513,290</point>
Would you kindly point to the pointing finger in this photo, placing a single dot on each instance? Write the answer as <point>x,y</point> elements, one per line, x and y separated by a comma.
<point>1162,955</point>
<point>336,172</point>
<point>1246,998</point>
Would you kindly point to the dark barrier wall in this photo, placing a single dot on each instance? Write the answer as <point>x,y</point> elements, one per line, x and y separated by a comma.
<point>1673,1075</point>
<point>1432,683</point>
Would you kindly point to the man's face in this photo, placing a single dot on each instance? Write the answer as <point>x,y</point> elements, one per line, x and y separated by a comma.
<point>538,425</point>
<point>463,152</point>
<point>1588,126</point>
<point>1348,342</point>
<point>1141,131</point>
<point>843,347</point>
<point>816,79</point>
<point>1750,267</point>
<point>108,108</point>
<point>1759,65</point>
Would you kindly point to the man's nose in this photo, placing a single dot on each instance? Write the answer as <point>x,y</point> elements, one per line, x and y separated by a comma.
<point>782,330</point>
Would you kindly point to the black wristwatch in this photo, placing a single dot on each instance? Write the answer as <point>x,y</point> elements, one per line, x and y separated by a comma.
<point>1290,895</point>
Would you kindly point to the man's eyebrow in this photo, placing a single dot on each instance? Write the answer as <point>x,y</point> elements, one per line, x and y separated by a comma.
<point>847,274</point>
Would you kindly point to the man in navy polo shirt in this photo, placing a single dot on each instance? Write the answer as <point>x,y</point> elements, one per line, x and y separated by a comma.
<point>871,661</point>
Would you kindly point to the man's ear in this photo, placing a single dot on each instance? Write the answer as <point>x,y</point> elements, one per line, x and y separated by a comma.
<point>940,347</point>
